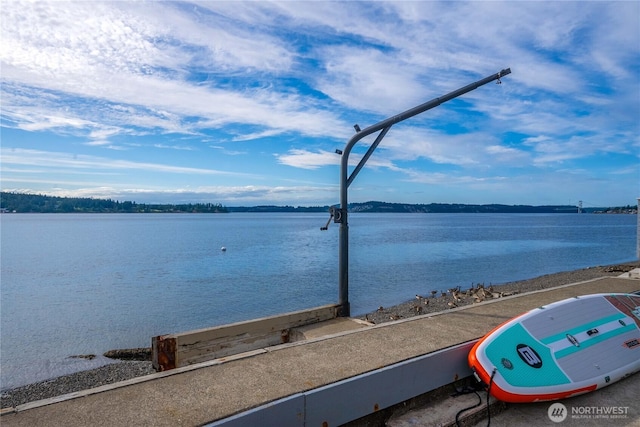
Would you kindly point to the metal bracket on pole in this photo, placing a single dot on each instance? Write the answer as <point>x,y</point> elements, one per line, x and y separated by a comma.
<point>340,215</point>
<point>335,214</point>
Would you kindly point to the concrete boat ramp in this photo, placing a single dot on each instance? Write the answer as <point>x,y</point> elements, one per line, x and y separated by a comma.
<point>339,372</point>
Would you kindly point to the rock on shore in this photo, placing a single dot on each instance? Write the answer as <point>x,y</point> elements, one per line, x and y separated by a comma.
<point>141,354</point>
<point>458,297</point>
<point>84,380</point>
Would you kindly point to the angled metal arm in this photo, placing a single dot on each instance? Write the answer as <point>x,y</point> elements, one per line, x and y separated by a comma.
<point>383,126</point>
<point>367,155</point>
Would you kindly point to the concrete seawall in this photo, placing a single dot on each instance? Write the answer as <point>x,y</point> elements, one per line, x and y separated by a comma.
<point>283,377</point>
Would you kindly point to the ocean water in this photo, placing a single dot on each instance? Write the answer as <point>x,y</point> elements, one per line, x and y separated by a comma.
<point>75,284</point>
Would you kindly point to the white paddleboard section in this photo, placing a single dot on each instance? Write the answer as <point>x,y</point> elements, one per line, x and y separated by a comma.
<point>562,349</point>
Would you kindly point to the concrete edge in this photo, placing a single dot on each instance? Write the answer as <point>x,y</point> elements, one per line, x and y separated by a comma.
<point>377,390</point>
<point>159,375</point>
<point>432,413</point>
<point>126,383</point>
<point>633,274</point>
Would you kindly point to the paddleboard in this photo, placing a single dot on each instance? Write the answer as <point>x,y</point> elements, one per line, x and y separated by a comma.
<point>560,350</point>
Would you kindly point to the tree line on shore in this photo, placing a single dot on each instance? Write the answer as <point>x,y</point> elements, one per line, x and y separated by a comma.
<point>38,203</point>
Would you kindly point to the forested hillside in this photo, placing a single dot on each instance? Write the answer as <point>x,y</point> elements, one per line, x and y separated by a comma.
<point>26,203</point>
<point>36,203</point>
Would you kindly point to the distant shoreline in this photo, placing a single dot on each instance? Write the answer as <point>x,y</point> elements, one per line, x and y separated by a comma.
<point>121,371</point>
<point>37,203</point>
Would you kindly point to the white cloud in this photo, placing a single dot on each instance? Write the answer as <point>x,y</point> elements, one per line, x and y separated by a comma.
<point>291,80</point>
<point>509,155</point>
<point>369,80</point>
<point>308,160</point>
<point>17,156</point>
<point>122,59</point>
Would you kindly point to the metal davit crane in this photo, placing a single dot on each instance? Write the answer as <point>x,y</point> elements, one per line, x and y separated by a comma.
<point>339,215</point>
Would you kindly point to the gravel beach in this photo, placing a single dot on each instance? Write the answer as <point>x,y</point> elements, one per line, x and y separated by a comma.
<point>446,300</point>
<point>420,305</point>
<point>77,381</point>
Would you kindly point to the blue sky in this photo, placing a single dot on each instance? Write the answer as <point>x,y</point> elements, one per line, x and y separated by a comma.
<point>245,103</point>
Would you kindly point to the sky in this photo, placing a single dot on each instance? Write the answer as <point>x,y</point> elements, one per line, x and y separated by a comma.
<point>246,103</point>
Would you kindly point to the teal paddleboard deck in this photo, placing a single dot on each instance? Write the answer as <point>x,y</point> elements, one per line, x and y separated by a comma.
<point>563,349</point>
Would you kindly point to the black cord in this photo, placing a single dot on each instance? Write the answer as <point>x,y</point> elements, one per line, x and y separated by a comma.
<point>493,374</point>
<point>470,407</point>
<point>467,390</point>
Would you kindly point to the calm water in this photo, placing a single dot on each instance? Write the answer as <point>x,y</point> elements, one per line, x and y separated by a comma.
<point>79,284</point>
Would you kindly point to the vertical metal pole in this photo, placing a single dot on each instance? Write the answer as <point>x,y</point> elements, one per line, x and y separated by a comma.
<point>343,268</point>
<point>345,181</point>
<point>638,231</point>
<point>343,250</point>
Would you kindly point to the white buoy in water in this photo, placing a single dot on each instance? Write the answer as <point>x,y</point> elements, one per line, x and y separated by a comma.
<point>223,249</point>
